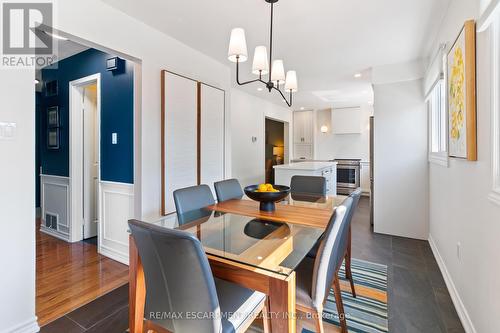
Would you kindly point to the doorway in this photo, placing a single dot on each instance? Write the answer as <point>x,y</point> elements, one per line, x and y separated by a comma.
<point>85,155</point>
<point>275,146</point>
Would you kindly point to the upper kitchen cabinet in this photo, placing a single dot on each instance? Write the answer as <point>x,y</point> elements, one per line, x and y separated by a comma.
<point>303,127</point>
<point>347,121</point>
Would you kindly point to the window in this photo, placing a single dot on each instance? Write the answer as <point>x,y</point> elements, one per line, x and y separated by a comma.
<point>438,124</point>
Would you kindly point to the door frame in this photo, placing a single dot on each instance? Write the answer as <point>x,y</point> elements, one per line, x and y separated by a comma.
<point>76,143</point>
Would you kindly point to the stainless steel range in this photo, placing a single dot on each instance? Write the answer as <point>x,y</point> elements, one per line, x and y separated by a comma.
<point>348,175</point>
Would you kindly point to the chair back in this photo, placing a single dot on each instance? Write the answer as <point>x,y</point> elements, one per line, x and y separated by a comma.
<point>330,253</point>
<point>228,189</point>
<point>178,279</point>
<point>308,185</point>
<point>192,198</point>
<point>356,195</point>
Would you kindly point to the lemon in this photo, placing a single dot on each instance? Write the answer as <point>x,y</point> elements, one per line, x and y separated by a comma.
<point>262,188</point>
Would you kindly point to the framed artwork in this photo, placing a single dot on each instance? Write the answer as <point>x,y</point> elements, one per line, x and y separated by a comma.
<point>461,77</point>
<point>53,116</point>
<point>53,138</point>
<point>51,88</point>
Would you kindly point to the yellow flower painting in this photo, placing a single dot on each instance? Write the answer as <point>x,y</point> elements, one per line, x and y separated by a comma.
<point>461,95</point>
<point>457,94</point>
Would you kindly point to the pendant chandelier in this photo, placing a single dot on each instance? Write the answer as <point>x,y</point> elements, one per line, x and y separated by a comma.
<point>261,65</point>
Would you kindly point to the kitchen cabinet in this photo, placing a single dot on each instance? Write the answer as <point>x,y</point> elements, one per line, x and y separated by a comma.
<point>303,127</point>
<point>303,151</point>
<point>303,135</point>
<point>285,172</point>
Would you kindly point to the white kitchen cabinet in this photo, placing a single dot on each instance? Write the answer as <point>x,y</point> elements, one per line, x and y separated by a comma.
<point>347,121</point>
<point>303,151</point>
<point>284,173</point>
<point>365,177</point>
<point>303,127</point>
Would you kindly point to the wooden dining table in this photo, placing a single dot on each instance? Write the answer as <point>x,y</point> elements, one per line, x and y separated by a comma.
<point>263,262</point>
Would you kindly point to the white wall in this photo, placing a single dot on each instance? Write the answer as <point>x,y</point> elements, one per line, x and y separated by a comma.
<point>119,32</point>
<point>114,29</point>
<point>459,207</point>
<point>247,120</point>
<point>17,203</point>
<point>330,146</point>
<point>400,160</point>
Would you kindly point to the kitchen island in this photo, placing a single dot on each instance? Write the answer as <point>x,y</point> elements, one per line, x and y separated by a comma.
<point>283,173</point>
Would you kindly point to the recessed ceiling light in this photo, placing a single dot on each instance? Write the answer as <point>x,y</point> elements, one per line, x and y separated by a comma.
<point>36,81</point>
<point>302,108</point>
<point>259,89</point>
<point>357,75</point>
<point>56,36</point>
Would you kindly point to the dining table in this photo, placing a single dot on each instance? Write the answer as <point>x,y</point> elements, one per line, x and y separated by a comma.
<point>252,248</point>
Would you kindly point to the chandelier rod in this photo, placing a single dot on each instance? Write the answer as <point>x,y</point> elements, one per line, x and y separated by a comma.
<point>271,47</point>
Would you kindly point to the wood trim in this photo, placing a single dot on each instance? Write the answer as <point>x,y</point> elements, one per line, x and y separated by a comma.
<point>137,289</point>
<point>163,154</point>
<point>470,78</point>
<point>198,132</point>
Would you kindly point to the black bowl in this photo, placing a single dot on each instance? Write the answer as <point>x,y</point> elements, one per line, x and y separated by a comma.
<point>267,199</point>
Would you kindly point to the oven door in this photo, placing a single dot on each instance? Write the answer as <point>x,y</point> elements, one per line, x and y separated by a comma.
<point>347,176</point>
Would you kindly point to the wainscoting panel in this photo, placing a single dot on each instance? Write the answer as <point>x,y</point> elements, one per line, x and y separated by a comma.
<point>117,207</point>
<point>55,204</point>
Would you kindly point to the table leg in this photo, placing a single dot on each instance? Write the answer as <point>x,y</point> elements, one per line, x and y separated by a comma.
<point>137,289</point>
<point>282,305</point>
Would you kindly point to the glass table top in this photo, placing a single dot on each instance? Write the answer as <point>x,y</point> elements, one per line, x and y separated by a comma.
<point>273,246</point>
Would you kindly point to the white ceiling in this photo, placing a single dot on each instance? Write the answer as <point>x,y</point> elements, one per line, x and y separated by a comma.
<point>326,41</point>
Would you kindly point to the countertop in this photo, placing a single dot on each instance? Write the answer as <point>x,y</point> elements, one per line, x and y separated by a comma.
<point>306,165</point>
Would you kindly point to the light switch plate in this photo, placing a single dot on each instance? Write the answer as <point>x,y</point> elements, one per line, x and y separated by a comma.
<point>114,138</point>
<point>7,130</point>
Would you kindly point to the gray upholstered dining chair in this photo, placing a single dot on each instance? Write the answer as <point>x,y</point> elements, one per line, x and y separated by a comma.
<point>228,189</point>
<point>182,295</point>
<point>355,196</point>
<point>315,276</point>
<point>192,198</point>
<point>308,185</point>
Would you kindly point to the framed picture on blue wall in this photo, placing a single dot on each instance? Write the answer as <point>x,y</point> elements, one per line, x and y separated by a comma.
<point>53,138</point>
<point>53,116</point>
<point>51,88</point>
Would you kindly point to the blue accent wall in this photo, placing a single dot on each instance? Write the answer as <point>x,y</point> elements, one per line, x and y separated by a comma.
<point>117,115</point>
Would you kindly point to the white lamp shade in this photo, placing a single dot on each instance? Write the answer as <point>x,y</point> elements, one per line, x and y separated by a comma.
<point>237,46</point>
<point>278,71</point>
<point>291,81</point>
<point>260,63</point>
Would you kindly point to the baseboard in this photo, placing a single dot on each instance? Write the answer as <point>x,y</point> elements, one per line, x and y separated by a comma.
<point>455,297</point>
<point>30,326</point>
<point>114,255</point>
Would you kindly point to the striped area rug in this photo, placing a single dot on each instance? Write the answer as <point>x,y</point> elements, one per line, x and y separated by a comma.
<point>367,313</point>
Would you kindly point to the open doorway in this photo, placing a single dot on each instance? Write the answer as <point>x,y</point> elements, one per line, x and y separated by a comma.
<point>86,107</point>
<point>275,146</point>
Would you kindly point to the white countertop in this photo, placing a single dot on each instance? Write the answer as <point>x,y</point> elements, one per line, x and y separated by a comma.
<point>306,165</point>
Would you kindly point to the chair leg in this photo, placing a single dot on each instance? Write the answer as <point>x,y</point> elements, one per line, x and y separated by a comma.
<point>265,317</point>
<point>348,274</point>
<point>340,305</point>
<point>348,271</point>
<point>319,321</point>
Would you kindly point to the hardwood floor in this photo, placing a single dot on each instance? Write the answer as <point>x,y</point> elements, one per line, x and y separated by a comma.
<point>417,296</point>
<point>69,275</point>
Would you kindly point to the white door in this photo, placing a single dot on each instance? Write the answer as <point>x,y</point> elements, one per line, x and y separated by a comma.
<point>90,161</point>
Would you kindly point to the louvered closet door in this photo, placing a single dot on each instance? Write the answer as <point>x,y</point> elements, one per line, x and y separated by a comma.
<point>180,145</point>
<point>211,135</point>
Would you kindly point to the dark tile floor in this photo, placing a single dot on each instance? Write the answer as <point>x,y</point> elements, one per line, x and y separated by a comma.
<point>418,298</point>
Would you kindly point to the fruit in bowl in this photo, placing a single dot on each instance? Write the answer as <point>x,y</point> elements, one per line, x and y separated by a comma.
<point>267,195</point>
<point>266,188</point>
